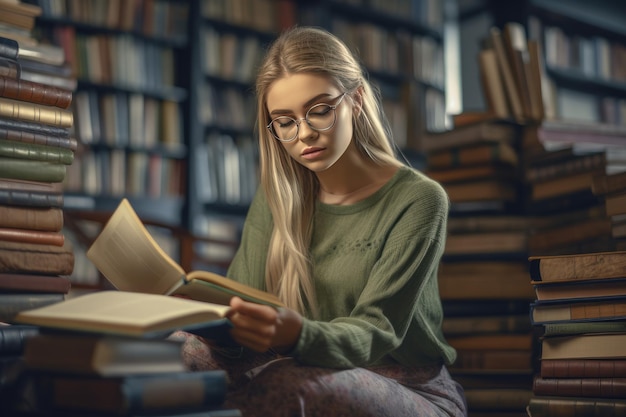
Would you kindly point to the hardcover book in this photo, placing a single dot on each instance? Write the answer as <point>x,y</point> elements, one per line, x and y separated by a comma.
<point>124,239</point>
<point>580,266</point>
<point>105,355</point>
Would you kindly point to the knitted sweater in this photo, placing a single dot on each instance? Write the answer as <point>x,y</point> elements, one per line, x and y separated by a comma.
<point>374,265</point>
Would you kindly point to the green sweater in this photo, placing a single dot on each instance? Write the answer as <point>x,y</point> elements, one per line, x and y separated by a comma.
<point>375,270</point>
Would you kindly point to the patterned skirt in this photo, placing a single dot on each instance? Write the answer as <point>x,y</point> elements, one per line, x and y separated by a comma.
<point>263,385</point>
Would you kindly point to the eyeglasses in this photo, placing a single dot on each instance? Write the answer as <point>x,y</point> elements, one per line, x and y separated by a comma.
<point>320,117</point>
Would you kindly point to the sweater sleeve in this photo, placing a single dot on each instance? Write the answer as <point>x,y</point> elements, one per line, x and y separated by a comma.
<point>398,314</point>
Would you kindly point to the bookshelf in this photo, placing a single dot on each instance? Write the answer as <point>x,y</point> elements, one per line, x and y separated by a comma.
<point>129,102</point>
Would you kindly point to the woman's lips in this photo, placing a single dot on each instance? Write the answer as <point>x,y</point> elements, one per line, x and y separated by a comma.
<point>312,153</point>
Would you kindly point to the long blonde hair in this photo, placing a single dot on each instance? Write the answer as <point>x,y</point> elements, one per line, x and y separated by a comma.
<point>290,188</point>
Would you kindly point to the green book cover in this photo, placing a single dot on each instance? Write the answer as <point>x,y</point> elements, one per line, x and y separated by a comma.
<point>31,151</point>
<point>24,169</point>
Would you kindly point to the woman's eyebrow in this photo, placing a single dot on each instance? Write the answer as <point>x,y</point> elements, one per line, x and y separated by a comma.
<point>307,104</point>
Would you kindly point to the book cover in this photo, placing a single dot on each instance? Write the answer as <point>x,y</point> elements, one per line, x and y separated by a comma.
<point>31,236</point>
<point>584,346</point>
<point>124,239</point>
<point>572,290</point>
<point>13,338</point>
<point>559,406</point>
<point>493,152</point>
<point>583,368</point>
<point>23,169</point>
<point>125,313</point>
<point>28,91</point>
<point>8,48</point>
<point>22,198</point>
<point>581,387</point>
<point>15,125</point>
<point>104,355</point>
<point>569,328</point>
<point>579,266</point>
<point>12,304</point>
<point>9,68</point>
<point>36,113</point>
<point>18,257</point>
<point>36,283</point>
<point>133,394</point>
<point>470,134</point>
<point>48,219</point>
<point>587,309</point>
<point>36,152</point>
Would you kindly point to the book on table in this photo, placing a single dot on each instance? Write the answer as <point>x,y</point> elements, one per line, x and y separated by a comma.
<point>130,258</point>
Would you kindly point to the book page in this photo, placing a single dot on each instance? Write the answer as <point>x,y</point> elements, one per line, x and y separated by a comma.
<point>124,313</point>
<point>129,257</point>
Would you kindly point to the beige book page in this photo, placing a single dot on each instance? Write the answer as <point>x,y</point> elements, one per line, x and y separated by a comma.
<point>122,312</point>
<point>129,257</point>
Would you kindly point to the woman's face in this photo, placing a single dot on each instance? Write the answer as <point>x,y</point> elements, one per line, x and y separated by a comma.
<point>293,96</point>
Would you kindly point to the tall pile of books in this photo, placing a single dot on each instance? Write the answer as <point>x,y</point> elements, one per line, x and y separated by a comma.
<point>581,309</point>
<point>107,353</point>
<point>35,149</point>
<point>483,277</point>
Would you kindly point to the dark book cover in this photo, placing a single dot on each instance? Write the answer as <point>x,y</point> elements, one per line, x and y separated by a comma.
<point>13,338</point>
<point>581,387</point>
<point>48,219</point>
<point>9,48</point>
<point>20,198</point>
<point>583,368</point>
<point>35,92</point>
<point>22,282</point>
<point>13,303</point>
<point>559,406</point>
<point>20,125</point>
<point>8,234</point>
<point>17,257</point>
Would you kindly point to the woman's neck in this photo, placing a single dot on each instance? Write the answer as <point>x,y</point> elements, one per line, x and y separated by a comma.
<point>346,190</point>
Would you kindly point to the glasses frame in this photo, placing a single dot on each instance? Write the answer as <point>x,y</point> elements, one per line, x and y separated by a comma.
<point>332,107</point>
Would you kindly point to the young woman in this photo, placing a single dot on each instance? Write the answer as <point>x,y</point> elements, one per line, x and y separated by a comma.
<point>350,240</point>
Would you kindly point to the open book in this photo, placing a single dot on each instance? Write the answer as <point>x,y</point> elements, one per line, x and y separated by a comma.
<point>130,258</point>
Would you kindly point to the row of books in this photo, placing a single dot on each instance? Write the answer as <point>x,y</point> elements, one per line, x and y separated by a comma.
<point>516,191</point>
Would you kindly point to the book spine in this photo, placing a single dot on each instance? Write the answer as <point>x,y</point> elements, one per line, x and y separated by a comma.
<point>36,186</point>
<point>9,48</point>
<point>32,236</point>
<point>31,151</point>
<point>35,92</point>
<point>11,304</point>
<point>31,170</point>
<point>13,338</point>
<point>31,198</point>
<point>583,368</point>
<point>42,219</point>
<point>575,407</point>
<point>580,387</point>
<point>38,139</point>
<point>20,282</point>
<point>40,261</point>
<point>36,113</point>
<point>9,68</point>
<point>42,129</point>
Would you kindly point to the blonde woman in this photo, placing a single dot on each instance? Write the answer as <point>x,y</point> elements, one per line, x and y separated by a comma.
<point>350,240</point>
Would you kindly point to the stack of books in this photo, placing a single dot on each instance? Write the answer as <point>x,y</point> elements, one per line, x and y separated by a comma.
<point>36,147</point>
<point>581,309</point>
<point>108,353</point>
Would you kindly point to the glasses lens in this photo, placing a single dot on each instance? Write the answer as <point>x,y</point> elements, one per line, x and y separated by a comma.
<point>321,116</point>
<point>284,128</point>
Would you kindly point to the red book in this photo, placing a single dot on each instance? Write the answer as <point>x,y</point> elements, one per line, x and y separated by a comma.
<point>34,283</point>
<point>581,387</point>
<point>32,92</point>
<point>32,236</point>
<point>583,368</point>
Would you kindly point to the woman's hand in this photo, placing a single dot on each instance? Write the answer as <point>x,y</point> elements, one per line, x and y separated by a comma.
<point>259,327</point>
